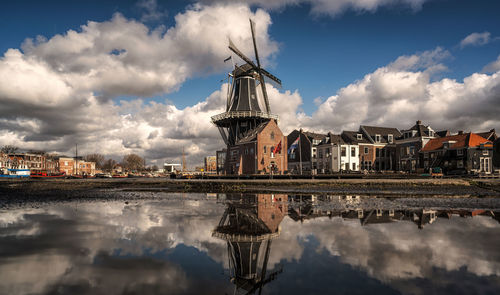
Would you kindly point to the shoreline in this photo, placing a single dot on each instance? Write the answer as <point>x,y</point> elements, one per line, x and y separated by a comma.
<point>380,186</point>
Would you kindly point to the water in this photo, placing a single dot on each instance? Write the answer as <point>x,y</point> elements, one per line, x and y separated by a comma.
<point>273,244</point>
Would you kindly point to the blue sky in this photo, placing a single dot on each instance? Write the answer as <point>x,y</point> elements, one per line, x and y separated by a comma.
<point>337,63</point>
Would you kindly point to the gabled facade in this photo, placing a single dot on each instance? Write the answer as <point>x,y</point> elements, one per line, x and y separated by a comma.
<point>408,146</point>
<point>306,154</point>
<point>254,153</point>
<point>337,155</point>
<point>379,152</point>
<point>462,153</point>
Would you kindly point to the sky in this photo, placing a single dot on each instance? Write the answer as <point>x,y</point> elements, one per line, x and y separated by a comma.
<point>144,76</point>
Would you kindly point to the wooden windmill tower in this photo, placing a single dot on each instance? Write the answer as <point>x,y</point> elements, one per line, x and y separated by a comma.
<point>243,113</point>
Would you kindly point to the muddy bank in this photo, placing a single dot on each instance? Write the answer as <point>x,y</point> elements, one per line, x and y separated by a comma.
<point>389,187</point>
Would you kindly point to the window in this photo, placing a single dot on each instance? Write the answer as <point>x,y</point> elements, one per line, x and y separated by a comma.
<point>65,163</point>
<point>377,137</point>
<point>366,150</point>
<point>412,150</point>
<point>485,152</point>
<point>460,152</point>
<point>320,153</point>
<point>377,152</point>
<point>251,151</point>
<point>272,155</point>
<point>390,138</point>
<point>460,164</point>
<point>272,135</point>
<point>292,156</point>
<point>246,151</point>
<point>343,151</point>
<point>431,133</point>
<point>327,153</point>
<point>359,136</point>
<point>353,166</point>
<point>353,152</point>
<point>265,149</point>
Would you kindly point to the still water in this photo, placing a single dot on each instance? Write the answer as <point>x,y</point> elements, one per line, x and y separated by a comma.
<point>245,244</point>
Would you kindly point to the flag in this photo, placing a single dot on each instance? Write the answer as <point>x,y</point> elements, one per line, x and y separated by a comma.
<point>294,145</point>
<point>277,148</point>
<point>227,59</point>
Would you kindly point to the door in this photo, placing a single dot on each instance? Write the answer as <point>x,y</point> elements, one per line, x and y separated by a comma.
<point>485,165</point>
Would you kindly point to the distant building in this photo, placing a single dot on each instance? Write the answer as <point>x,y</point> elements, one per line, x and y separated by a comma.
<point>72,166</point>
<point>459,154</point>
<point>336,155</point>
<point>496,154</point>
<point>211,164</point>
<point>170,168</point>
<point>66,165</point>
<point>220,160</point>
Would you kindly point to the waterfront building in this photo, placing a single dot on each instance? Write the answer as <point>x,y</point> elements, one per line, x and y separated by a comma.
<point>211,164</point>
<point>496,154</point>
<point>377,151</point>
<point>462,153</point>
<point>334,154</point>
<point>408,146</point>
<point>220,160</point>
<point>303,158</point>
<point>170,168</point>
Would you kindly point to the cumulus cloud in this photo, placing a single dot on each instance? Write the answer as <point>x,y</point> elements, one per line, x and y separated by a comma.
<point>62,90</point>
<point>476,39</point>
<point>404,89</point>
<point>151,10</point>
<point>333,8</point>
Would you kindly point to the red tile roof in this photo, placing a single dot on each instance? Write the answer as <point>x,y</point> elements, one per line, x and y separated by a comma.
<point>461,141</point>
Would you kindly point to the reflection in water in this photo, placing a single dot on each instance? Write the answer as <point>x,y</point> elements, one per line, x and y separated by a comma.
<point>249,224</point>
<point>184,244</point>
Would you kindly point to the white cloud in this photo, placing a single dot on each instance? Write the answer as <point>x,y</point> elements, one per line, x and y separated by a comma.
<point>494,66</point>
<point>403,92</point>
<point>476,39</point>
<point>151,10</point>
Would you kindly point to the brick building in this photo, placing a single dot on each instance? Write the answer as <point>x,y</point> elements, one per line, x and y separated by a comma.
<point>254,153</point>
<point>307,158</point>
<point>409,144</point>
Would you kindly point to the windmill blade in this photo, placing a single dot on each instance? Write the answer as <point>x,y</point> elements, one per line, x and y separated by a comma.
<point>271,76</point>
<point>252,24</point>
<point>241,55</point>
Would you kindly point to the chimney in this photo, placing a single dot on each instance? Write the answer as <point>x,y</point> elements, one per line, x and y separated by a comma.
<point>419,122</point>
<point>460,132</point>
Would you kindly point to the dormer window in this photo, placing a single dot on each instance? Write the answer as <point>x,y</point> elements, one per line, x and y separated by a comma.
<point>377,138</point>
<point>390,138</point>
<point>359,136</point>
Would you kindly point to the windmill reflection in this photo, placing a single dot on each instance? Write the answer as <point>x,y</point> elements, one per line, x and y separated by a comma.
<point>249,225</point>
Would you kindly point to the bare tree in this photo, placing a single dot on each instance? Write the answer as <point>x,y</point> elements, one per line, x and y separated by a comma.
<point>9,149</point>
<point>133,162</point>
<point>108,165</point>
<point>98,159</point>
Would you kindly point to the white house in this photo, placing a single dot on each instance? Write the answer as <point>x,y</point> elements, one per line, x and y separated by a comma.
<point>336,155</point>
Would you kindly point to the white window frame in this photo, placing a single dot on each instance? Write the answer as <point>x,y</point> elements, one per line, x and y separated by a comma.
<point>359,136</point>
<point>377,137</point>
<point>390,138</point>
<point>460,152</point>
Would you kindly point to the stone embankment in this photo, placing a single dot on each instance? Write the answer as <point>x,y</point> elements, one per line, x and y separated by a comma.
<point>384,187</point>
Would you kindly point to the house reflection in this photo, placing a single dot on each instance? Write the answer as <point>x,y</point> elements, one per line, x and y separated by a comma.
<point>249,224</point>
<point>305,207</point>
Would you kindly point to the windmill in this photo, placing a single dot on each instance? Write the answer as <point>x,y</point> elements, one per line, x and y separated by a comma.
<point>243,112</point>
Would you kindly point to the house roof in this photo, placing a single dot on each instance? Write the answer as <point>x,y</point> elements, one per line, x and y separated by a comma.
<point>351,137</point>
<point>422,130</point>
<point>489,135</point>
<point>313,135</point>
<point>461,141</point>
<point>382,131</point>
<point>443,133</point>
<point>333,138</point>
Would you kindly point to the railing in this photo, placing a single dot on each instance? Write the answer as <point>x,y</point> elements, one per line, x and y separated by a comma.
<point>243,114</point>
<point>245,238</point>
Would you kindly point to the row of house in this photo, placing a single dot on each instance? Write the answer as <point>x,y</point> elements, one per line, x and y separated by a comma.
<point>37,162</point>
<point>372,148</point>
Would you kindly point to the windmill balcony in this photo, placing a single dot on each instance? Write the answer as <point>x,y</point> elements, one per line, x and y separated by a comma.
<point>243,114</point>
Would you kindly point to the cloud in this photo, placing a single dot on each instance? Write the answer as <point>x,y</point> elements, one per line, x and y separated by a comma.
<point>64,90</point>
<point>333,8</point>
<point>404,89</point>
<point>150,11</point>
<point>476,39</point>
<point>492,67</point>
